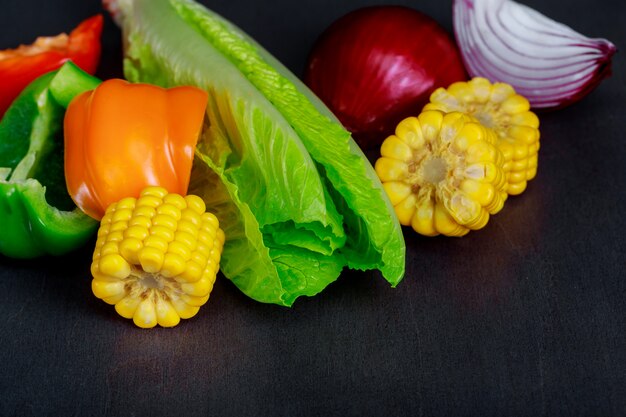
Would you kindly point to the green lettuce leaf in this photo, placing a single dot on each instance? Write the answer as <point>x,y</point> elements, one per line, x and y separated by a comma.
<point>375,238</point>
<point>273,164</point>
<point>264,270</point>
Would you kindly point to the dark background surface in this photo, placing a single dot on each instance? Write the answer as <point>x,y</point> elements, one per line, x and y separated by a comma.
<point>526,317</point>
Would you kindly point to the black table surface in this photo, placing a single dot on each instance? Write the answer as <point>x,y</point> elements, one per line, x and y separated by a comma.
<point>525,317</point>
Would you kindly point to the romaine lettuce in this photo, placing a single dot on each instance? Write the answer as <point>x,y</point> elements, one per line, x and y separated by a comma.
<point>296,197</point>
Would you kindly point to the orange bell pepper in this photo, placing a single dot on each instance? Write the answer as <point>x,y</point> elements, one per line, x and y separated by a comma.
<point>122,137</point>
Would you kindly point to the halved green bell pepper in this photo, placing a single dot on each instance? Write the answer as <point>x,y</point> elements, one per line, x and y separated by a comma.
<point>37,215</point>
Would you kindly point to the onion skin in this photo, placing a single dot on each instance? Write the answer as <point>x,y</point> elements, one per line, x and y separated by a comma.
<point>547,62</point>
<point>378,65</point>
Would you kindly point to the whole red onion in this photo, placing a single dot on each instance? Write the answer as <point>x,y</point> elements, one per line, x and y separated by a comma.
<point>377,65</point>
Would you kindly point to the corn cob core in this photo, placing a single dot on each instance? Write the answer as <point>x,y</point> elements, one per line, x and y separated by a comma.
<point>157,257</point>
<point>442,173</point>
<point>498,107</point>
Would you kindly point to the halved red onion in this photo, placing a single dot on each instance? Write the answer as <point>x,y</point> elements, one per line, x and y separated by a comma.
<point>545,61</point>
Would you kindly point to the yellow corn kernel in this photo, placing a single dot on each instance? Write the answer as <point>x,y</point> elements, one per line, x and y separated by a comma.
<point>452,185</point>
<point>215,256</point>
<point>150,201</point>
<point>462,91</point>
<point>453,125</point>
<point>220,237</point>
<point>520,165</point>
<point>151,259</point>
<point>463,209</point>
<point>526,118</point>
<point>117,226</point>
<point>145,316</point>
<point>175,200</point>
<point>108,248</point>
<point>497,107</point>
<point>158,192</point>
<point>210,219</point>
<point>195,301</point>
<point>500,92</point>
<point>104,289</point>
<point>192,216</point>
<point>184,310</point>
<point>397,191</point>
<point>445,224</point>
<point>140,221</point>
<point>390,169</point>
<point>199,257</point>
<point>205,239</point>
<point>156,242</point>
<point>196,204</point>
<point>481,151</point>
<point>129,249</point>
<point>106,219</point>
<point>483,193</point>
<point>122,215</point>
<point>410,132</point>
<point>423,222</point>
<point>166,314</point>
<point>188,227</point>
<point>515,104</point>
<point>102,277</point>
<point>395,148</point>
<point>199,288</point>
<point>139,232</point>
<point>127,306</point>
<point>467,136</point>
<point>163,234</point>
<point>103,230</point>
<point>114,265</point>
<point>523,135</point>
<point>192,273</point>
<point>516,188</point>
<point>179,249</point>
<point>517,177</point>
<point>126,203</point>
<point>173,265</point>
<point>169,210</point>
<point>405,210</point>
<point>115,233</point>
<point>186,239</point>
<point>481,89</point>
<point>166,221</point>
<point>114,299</point>
<point>156,257</point>
<point>142,215</point>
<point>431,124</point>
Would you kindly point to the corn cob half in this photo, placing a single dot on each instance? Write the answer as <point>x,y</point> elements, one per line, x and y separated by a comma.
<point>157,257</point>
<point>498,107</point>
<point>442,173</point>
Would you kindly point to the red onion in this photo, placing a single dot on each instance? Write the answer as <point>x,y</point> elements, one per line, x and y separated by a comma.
<point>377,65</point>
<point>545,61</point>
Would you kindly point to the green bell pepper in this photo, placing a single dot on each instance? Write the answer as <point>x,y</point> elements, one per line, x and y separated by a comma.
<point>37,215</point>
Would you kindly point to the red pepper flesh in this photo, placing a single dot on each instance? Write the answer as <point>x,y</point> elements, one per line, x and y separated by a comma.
<point>20,66</point>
